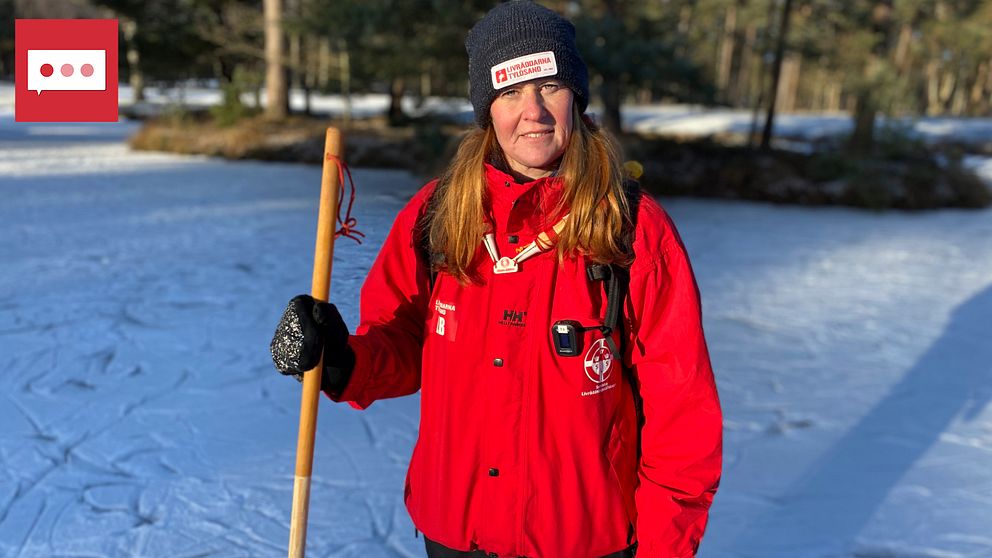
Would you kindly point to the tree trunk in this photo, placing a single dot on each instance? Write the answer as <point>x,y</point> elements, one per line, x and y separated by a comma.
<point>610,92</point>
<point>135,77</point>
<point>761,80</point>
<point>958,98</point>
<point>295,60</point>
<point>901,57</point>
<point>276,93</point>
<point>866,106</point>
<point>396,88</point>
<point>294,8</point>
<point>863,137</point>
<point>685,25</point>
<point>832,95</point>
<point>344,75</point>
<point>726,58</point>
<point>817,89</point>
<point>988,81</point>
<point>743,92</point>
<point>947,89</point>
<point>610,88</point>
<point>789,83</point>
<point>644,96</point>
<point>425,84</point>
<point>933,88</point>
<point>324,63</point>
<point>977,101</point>
<point>766,135</point>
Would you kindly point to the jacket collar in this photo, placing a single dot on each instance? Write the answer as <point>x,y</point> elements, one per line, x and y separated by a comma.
<point>503,188</point>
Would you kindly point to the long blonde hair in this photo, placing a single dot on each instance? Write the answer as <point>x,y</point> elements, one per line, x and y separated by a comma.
<point>592,174</point>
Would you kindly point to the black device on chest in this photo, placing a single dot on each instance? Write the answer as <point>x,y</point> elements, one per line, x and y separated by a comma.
<point>567,336</point>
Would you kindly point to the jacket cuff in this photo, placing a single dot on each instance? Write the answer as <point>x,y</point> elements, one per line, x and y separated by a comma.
<point>352,392</point>
<point>658,550</point>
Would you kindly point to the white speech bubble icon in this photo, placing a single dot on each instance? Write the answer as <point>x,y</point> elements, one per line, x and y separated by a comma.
<point>67,70</point>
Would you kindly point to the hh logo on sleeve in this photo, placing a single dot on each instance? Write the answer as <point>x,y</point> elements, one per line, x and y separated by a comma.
<point>65,70</point>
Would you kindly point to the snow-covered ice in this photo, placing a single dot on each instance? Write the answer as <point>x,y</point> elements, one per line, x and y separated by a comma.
<point>141,415</point>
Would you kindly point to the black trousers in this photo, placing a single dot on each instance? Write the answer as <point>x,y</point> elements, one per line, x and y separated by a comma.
<point>438,550</point>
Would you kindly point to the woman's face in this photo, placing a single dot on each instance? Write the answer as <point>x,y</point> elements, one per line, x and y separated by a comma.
<point>533,122</point>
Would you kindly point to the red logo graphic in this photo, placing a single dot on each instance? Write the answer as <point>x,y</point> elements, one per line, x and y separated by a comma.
<point>501,76</point>
<point>65,70</point>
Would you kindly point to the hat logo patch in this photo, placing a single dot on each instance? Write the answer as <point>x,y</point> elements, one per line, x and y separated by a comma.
<point>523,68</point>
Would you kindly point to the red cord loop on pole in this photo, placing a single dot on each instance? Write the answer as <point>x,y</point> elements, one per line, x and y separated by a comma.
<point>348,222</point>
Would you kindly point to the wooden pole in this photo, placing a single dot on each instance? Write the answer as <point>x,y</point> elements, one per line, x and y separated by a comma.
<point>322,260</point>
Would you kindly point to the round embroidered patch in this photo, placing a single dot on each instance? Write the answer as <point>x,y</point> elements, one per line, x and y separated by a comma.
<point>598,362</point>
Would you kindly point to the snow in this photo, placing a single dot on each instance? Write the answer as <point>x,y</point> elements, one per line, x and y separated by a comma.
<point>982,166</point>
<point>694,121</point>
<point>142,416</point>
<point>362,105</point>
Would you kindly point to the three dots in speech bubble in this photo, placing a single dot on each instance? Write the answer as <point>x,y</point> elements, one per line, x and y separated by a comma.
<point>47,70</point>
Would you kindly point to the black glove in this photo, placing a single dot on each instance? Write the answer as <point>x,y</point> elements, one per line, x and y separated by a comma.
<point>307,328</point>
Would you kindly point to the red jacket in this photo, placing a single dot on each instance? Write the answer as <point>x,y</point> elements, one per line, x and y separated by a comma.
<point>523,452</point>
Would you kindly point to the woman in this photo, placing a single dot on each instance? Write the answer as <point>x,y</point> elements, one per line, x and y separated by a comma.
<point>533,439</point>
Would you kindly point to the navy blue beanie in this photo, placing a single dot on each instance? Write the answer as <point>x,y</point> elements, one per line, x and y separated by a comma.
<point>518,41</point>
